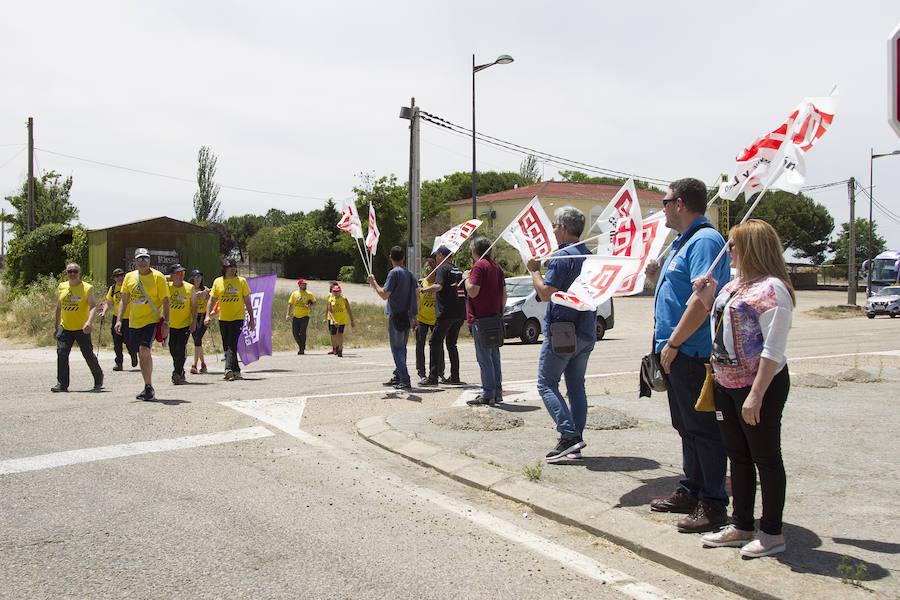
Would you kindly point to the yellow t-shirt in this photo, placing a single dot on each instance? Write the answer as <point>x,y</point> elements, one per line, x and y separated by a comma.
<point>201,301</point>
<point>114,295</point>
<point>426,306</point>
<point>338,314</point>
<point>157,289</point>
<point>301,301</point>
<point>230,293</point>
<point>180,305</point>
<point>75,308</point>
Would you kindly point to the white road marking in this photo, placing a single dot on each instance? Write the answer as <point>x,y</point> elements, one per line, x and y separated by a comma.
<point>72,457</point>
<point>283,413</point>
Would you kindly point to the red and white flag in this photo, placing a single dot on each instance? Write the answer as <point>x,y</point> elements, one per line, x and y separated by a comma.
<point>600,277</point>
<point>622,219</point>
<point>454,237</point>
<point>653,235</point>
<point>374,234</point>
<point>350,222</point>
<point>531,232</point>
<point>790,141</point>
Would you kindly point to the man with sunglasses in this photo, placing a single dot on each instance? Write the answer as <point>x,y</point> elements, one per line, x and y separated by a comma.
<point>75,310</point>
<point>682,341</point>
<point>146,292</point>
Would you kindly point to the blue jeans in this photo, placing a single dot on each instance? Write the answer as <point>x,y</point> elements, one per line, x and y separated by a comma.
<point>489,364</point>
<point>702,453</point>
<point>569,418</point>
<point>398,340</point>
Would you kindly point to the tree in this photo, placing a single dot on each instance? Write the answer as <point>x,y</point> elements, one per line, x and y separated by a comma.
<point>803,224</point>
<point>529,170</point>
<point>389,200</point>
<point>243,228</point>
<point>206,206</point>
<point>44,251</point>
<point>579,177</point>
<point>841,244</point>
<point>226,243</point>
<point>51,203</point>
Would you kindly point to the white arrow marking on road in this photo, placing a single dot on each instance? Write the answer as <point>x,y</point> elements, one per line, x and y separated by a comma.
<point>283,413</point>
<point>72,457</point>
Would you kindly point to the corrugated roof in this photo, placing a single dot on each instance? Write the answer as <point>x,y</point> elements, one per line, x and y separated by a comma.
<point>560,190</point>
<point>161,219</point>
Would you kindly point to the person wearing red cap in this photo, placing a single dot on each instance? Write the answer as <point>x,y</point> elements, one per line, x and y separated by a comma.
<point>338,315</point>
<point>301,301</point>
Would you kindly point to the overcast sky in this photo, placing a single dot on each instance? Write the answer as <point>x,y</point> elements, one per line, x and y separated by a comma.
<point>299,98</point>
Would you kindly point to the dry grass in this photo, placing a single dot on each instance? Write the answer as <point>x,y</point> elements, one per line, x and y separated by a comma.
<point>841,311</point>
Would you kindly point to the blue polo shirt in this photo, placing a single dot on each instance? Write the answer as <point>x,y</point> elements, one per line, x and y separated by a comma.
<point>560,274</point>
<point>673,288</point>
<point>400,283</point>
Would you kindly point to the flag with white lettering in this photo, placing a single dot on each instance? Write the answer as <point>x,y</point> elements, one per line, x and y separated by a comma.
<point>374,234</point>
<point>454,237</point>
<point>350,222</point>
<point>600,277</point>
<point>258,342</point>
<point>790,141</point>
<point>531,232</point>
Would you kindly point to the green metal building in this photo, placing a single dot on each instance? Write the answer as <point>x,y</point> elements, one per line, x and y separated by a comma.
<point>169,241</point>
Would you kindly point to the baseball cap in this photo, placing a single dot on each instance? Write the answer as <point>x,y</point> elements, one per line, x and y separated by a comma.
<point>444,250</point>
<point>176,268</point>
<point>301,282</point>
<point>117,272</point>
<point>196,272</point>
<point>336,288</point>
<point>142,252</point>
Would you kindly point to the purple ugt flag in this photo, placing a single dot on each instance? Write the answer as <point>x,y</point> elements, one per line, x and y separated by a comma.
<point>256,343</point>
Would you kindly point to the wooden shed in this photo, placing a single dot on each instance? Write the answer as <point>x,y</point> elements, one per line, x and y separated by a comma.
<point>169,241</point>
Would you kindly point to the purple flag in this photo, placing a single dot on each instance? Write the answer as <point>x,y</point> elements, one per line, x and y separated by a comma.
<point>256,343</point>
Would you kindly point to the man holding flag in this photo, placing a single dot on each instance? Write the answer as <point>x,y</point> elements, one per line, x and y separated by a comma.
<point>681,338</point>
<point>569,418</point>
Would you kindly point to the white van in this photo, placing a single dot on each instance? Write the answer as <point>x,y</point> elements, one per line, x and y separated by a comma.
<point>524,314</point>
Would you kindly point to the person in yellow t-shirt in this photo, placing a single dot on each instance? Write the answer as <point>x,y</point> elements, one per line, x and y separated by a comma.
<point>300,301</point>
<point>337,315</point>
<point>425,324</point>
<point>201,295</point>
<point>113,297</point>
<point>145,293</point>
<point>233,296</point>
<point>75,309</point>
<point>183,316</point>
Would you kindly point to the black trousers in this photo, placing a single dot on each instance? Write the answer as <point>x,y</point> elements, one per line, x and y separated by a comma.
<point>65,339</point>
<point>231,331</point>
<point>119,340</point>
<point>422,330</point>
<point>444,329</point>
<point>178,339</point>
<point>199,330</point>
<point>753,448</point>
<point>298,329</point>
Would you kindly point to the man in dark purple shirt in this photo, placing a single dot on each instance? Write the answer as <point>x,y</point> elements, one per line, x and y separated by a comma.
<point>486,288</point>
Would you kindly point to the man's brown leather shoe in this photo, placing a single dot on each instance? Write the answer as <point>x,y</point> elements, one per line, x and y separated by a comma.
<point>678,502</point>
<point>704,518</point>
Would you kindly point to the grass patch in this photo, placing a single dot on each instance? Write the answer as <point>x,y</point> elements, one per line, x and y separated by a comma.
<point>841,311</point>
<point>852,572</point>
<point>467,453</point>
<point>533,473</point>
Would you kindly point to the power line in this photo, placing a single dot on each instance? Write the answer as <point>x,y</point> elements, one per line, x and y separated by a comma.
<point>176,178</point>
<point>14,156</point>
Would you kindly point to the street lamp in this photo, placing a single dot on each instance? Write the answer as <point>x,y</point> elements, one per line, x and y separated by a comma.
<point>872,157</point>
<point>503,59</point>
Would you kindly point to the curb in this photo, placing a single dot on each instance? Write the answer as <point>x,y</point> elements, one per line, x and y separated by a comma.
<point>656,542</point>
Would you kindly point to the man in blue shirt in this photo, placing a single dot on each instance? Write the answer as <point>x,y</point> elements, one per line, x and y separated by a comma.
<point>569,418</point>
<point>402,307</point>
<point>682,341</point>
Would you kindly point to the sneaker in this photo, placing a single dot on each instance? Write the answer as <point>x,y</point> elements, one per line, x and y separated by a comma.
<point>147,394</point>
<point>565,447</point>
<point>134,360</point>
<point>403,386</point>
<point>98,384</point>
<point>704,518</point>
<point>332,351</point>
<point>175,379</point>
<point>237,375</point>
<point>575,455</point>
<point>454,381</point>
<point>203,367</point>
<point>193,369</point>
<point>443,380</point>
<point>229,375</point>
<point>118,367</point>
<point>480,400</point>
<point>730,537</point>
<point>340,353</point>
<point>499,398</point>
<point>391,382</point>
<point>428,382</point>
<point>59,388</point>
<point>764,545</point>
<point>678,502</point>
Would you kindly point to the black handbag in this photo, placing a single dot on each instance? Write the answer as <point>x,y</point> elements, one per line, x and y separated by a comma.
<point>490,332</point>
<point>652,377</point>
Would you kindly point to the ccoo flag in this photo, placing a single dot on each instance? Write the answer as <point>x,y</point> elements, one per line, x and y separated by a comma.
<point>531,232</point>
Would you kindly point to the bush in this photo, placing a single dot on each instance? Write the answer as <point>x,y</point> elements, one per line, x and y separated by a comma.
<point>347,273</point>
<point>44,251</point>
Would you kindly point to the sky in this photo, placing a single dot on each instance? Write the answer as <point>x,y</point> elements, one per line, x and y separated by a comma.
<point>299,99</point>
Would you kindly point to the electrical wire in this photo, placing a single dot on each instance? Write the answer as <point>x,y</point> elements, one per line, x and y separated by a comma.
<point>176,178</point>
<point>13,157</point>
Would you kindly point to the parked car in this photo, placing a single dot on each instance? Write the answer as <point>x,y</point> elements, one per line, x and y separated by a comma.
<point>885,301</point>
<point>524,314</point>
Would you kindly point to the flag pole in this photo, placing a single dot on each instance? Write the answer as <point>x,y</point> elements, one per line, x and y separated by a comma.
<point>365,264</point>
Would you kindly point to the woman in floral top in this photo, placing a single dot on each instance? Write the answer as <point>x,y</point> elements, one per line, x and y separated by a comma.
<point>752,382</point>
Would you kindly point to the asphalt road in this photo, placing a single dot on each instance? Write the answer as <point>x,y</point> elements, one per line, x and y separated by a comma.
<point>261,489</point>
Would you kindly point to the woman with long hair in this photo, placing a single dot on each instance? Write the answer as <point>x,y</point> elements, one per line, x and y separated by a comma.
<point>201,292</point>
<point>752,317</point>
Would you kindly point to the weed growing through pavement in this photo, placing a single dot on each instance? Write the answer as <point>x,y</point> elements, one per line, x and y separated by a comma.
<point>851,572</point>
<point>465,452</point>
<point>533,473</point>
<point>491,462</point>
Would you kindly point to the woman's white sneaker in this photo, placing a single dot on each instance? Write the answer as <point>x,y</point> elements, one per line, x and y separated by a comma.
<point>731,537</point>
<point>764,545</point>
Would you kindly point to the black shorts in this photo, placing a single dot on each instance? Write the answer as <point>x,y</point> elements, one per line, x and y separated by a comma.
<point>141,336</point>
<point>200,330</point>
<point>335,329</point>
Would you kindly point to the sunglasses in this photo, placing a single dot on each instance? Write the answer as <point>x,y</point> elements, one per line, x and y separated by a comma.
<point>143,259</point>
<point>73,271</point>
<point>198,276</point>
<point>666,201</point>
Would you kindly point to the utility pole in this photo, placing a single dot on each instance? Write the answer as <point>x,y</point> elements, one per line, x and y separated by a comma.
<point>2,237</point>
<point>414,202</point>
<point>30,227</point>
<point>851,270</point>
